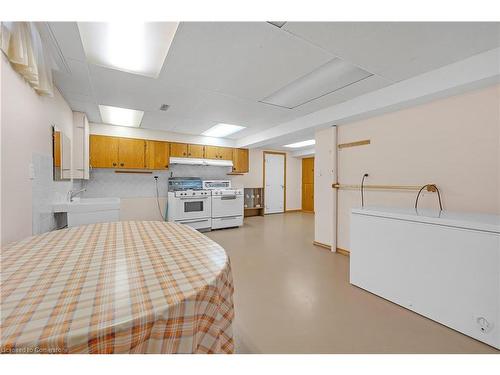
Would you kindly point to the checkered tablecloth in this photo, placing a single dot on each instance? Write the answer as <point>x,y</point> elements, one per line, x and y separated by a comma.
<point>124,287</point>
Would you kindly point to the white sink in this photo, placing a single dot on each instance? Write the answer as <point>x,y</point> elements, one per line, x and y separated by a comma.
<point>89,210</point>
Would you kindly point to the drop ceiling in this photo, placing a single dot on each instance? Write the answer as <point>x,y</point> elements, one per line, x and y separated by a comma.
<point>221,72</point>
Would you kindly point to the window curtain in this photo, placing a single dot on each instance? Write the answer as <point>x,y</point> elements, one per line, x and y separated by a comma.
<point>21,43</point>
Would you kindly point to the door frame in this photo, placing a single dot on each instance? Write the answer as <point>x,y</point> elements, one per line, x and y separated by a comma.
<point>264,176</point>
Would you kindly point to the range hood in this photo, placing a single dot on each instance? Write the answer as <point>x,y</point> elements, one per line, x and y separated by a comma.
<point>196,161</point>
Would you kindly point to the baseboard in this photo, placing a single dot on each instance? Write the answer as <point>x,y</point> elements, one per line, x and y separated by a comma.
<point>343,251</point>
<point>306,212</point>
<point>294,210</point>
<point>323,245</point>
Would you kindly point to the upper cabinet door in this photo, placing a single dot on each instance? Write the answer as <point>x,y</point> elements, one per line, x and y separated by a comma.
<point>225,153</point>
<point>103,151</point>
<point>131,153</point>
<point>178,150</point>
<point>196,151</point>
<point>240,160</point>
<point>212,152</point>
<point>157,154</point>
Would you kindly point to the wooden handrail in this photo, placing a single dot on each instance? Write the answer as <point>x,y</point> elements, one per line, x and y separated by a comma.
<point>382,187</point>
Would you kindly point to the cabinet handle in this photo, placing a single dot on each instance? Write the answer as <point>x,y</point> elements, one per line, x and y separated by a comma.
<point>184,153</point>
<point>114,164</point>
<point>189,154</point>
<point>122,164</point>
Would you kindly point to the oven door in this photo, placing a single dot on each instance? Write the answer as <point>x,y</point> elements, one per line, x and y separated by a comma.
<point>192,208</point>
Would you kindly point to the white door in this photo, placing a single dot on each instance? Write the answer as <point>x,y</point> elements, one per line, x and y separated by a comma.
<point>274,188</point>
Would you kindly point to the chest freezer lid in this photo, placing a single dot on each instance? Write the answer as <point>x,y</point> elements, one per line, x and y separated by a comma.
<point>465,220</point>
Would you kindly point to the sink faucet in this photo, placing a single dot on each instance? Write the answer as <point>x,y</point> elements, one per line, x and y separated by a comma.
<point>74,193</point>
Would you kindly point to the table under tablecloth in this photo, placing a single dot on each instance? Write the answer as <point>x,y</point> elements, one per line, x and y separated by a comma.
<point>123,287</point>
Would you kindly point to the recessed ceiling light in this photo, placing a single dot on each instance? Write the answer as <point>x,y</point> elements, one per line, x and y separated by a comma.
<point>332,76</point>
<point>120,116</point>
<point>309,142</point>
<point>222,130</point>
<point>134,47</point>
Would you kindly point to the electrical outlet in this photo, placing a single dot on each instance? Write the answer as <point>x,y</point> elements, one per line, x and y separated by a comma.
<point>483,324</point>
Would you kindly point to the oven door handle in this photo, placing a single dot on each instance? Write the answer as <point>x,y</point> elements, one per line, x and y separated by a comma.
<point>227,197</point>
<point>193,198</point>
<point>192,221</point>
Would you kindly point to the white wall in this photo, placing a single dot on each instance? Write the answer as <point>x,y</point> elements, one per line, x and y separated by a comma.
<point>324,176</point>
<point>158,135</point>
<point>26,121</point>
<point>254,178</point>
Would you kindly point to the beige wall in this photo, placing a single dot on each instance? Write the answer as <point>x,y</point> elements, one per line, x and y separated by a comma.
<point>453,142</point>
<point>293,177</point>
<point>324,176</point>
<point>26,121</point>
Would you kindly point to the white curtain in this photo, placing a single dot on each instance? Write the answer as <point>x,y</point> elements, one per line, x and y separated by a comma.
<point>21,43</point>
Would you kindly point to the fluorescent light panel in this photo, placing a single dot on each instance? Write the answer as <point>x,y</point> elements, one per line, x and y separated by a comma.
<point>328,78</point>
<point>309,142</point>
<point>134,47</point>
<point>120,116</point>
<point>222,130</point>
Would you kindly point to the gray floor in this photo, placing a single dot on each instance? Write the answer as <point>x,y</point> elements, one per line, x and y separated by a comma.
<point>293,297</point>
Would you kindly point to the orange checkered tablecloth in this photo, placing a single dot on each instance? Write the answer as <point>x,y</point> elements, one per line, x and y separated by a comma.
<point>124,287</point>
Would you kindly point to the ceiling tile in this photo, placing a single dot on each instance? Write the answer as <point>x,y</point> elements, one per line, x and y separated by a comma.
<point>168,121</point>
<point>91,109</point>
<point>76,81</point>
<point>246,59</point>
<point>399,50</point>
<point>68,39</point>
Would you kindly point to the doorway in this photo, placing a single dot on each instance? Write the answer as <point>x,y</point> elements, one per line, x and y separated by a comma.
<point>308,185</point>
<point>274,182</point>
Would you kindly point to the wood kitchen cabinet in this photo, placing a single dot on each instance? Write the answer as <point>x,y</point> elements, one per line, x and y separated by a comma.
<point>211,152</point>
<point>240,160</point>
<point>226,153</point>
<point>196,151</point>
<point>131,153</point>
<point>103,151</point>
<point>216,152</point>
<point>114,152</point>
<point>178,150</point>
<point>157,154</point>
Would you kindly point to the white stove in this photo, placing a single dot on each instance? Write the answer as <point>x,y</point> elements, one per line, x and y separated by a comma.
<point>188,203</point>
<point>227,204</point>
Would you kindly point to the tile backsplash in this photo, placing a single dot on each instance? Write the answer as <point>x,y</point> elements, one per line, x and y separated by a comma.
<point>107,183</point>
<point>45,192</point>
